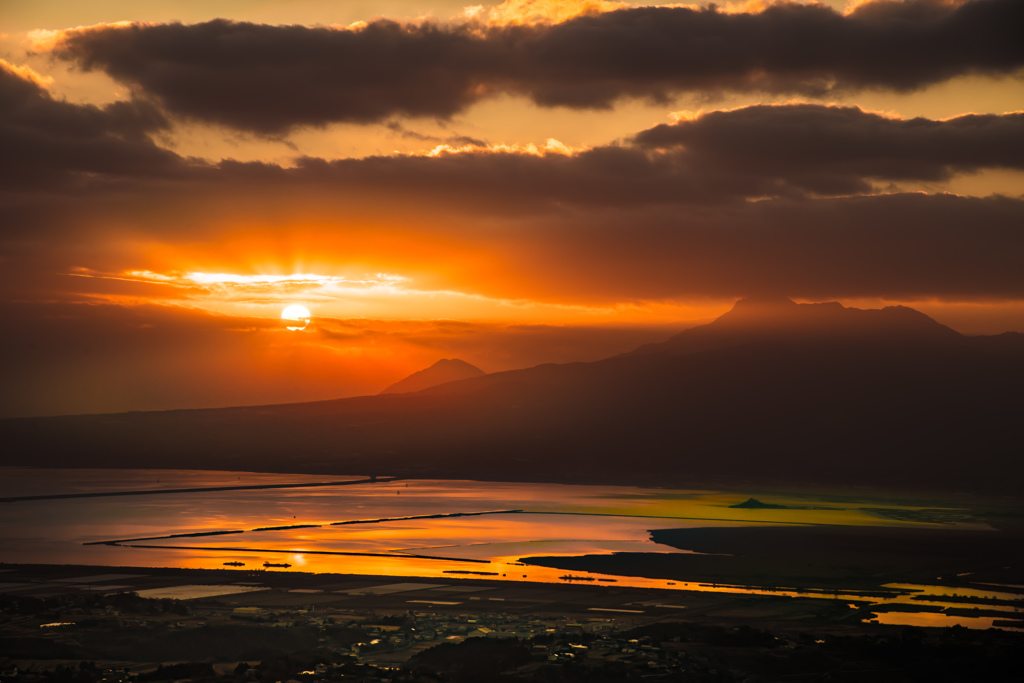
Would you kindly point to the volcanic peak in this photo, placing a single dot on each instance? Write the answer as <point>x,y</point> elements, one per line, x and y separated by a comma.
<point>443,371</point>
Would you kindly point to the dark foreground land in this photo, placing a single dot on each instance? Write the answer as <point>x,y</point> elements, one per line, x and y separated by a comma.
<point>85,624</point>
<point>824,557</point>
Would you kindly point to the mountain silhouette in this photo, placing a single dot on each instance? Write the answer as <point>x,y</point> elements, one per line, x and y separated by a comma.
<point>777,319</point>
<point>444,370</point>
<point>772,392</point>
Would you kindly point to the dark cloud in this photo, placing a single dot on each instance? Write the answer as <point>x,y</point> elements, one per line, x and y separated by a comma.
<point>720,157</point>
<point>453,140</point>
<point>670,213</point>
<point>832,150</point>
<point>47,141</point>
<point>788,48</point>
<point>900,246</point>
<point>271,78</point>
<point>897,247</point>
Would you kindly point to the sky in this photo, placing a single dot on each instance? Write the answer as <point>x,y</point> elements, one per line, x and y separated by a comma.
<point>509,184</point>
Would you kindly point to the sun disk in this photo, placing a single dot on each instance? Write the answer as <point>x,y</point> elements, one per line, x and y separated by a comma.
<point>297,314</point>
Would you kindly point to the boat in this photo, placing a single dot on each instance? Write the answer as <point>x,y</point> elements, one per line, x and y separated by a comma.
<point>276,564</point>
<point>234,564</point>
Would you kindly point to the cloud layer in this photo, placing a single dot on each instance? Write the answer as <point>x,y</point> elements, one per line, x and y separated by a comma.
<point>835,150</point>
<point>717,205</point>
<point>270,79</point>
<point>47,141</point>
<point>719,157</point>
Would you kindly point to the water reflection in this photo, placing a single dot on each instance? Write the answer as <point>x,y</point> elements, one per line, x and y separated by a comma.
<point>936,620</point>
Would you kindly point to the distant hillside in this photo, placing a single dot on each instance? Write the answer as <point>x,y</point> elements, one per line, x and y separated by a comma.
<point>444,370</point>
<point>772,392</point>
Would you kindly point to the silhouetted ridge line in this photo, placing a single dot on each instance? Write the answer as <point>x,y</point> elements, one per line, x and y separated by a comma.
<point>814,394</point>
<point>780,320</point>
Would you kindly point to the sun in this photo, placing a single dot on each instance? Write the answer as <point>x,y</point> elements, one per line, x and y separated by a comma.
<point>297,314</point>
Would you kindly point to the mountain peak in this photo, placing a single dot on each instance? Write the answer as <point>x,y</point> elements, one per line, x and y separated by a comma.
<point>763,301</point>
<point>441,372</point>
<point>760,308</point>
<point>454,364</point>
<point>778,319</point>
<point>766,311</point>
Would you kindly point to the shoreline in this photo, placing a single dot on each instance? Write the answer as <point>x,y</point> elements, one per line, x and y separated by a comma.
<point>374,593</point>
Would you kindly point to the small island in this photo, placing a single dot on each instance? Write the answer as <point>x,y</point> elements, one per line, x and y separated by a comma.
<point>755,504</point>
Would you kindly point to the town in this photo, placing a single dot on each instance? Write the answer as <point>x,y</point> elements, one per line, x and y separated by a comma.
<point>86,634</point>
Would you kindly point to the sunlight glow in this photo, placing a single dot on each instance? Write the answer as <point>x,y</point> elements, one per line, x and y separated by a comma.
<point>551,146</point>
<point>227,278</point>
<point>296,314</point>
<point>27,73</point>
<point>538,12</point>
<point>231,280</point>
<point>45,40</point>
<point>373,295</point>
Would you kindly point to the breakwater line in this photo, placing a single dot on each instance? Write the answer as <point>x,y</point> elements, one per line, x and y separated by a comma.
<point>199,489</point>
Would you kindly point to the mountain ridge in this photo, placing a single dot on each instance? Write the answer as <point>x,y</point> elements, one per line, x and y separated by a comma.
<point>937,410</point>
<point>782,320</point>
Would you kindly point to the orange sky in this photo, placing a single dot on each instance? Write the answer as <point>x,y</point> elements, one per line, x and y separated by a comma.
<point>510,184</point>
